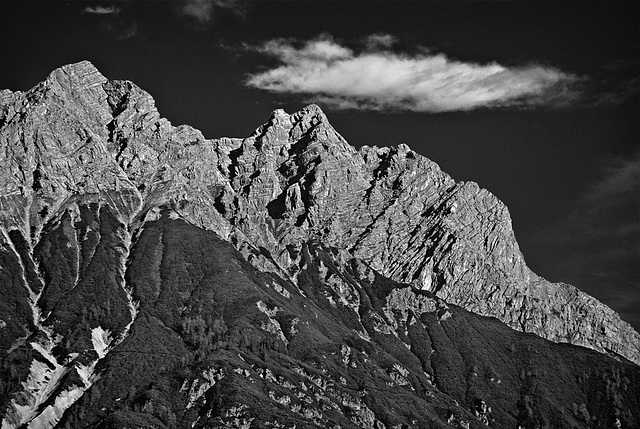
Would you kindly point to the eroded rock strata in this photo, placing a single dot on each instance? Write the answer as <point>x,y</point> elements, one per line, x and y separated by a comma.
<point>286,278</point>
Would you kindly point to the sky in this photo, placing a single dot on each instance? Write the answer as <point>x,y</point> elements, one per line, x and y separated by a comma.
<point>537,101</point>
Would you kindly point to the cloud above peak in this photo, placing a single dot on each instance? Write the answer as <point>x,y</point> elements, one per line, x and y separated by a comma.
<point>204,11</point>
<point>377,78</point>
<point>102,10</point>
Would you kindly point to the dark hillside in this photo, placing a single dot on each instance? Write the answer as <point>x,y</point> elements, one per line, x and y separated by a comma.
<point>218,342</point>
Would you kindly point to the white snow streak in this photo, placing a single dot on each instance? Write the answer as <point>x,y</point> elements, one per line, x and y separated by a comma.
<point>46,373</point>
<point>101,339</point>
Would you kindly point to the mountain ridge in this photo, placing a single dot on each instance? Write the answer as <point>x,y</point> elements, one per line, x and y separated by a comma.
<point>262,156</point>
<point>91,168</point>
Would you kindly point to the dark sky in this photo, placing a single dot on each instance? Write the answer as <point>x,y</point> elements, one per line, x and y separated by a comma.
<point>564,160</point>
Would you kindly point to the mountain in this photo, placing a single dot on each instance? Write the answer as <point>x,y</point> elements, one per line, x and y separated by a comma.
<point>153,278</point>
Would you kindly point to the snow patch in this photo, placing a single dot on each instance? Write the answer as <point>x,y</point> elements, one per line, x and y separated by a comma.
<point>131,304</point>
<point>40,384</point>
<point>51,415</point>
<point>101,339</point>
<point>86,373</point>
<point>45,352</point>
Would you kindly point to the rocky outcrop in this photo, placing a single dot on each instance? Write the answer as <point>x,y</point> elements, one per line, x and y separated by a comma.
<point>294,179</point>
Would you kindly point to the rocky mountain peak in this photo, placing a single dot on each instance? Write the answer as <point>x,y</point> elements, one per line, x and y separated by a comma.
<point>294,179</point>
<point>78,84</point>
<point>309,125</point>
<point>120,231</point>
<point>76,76</point>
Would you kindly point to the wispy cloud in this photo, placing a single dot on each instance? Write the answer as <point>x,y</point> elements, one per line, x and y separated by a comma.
<point>102,10</point>
<point>115,20</point>
<point>613,89</point>
<point>608,209</point>
<point>600,238</point>
<point>201,10</point>
<point>204,11</point>
<point>621,180</point>
<point>379,40</point>
<point>127,32</point>
<point>378,78</point>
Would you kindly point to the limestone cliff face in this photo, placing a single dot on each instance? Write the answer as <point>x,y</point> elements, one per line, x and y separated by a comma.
<point>80,137</point>
<point>296,178</point>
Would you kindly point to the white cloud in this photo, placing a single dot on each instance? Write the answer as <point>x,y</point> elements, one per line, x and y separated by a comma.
<point>595,246</point>
<point>622,179</point>
<point>376,41</point>
<point>102,10</point>
<point>204,10</point>
<point>127,32</point>
<point>379,79</point>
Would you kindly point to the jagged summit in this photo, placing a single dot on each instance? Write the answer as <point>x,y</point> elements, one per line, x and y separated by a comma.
<point>309,124</point>
<point>77,75</point>
<point>312,110</point>
<point>123,235</point>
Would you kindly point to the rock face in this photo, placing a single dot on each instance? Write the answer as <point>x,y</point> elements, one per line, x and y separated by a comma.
<point>296,178</point>
<point>154,278</point>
